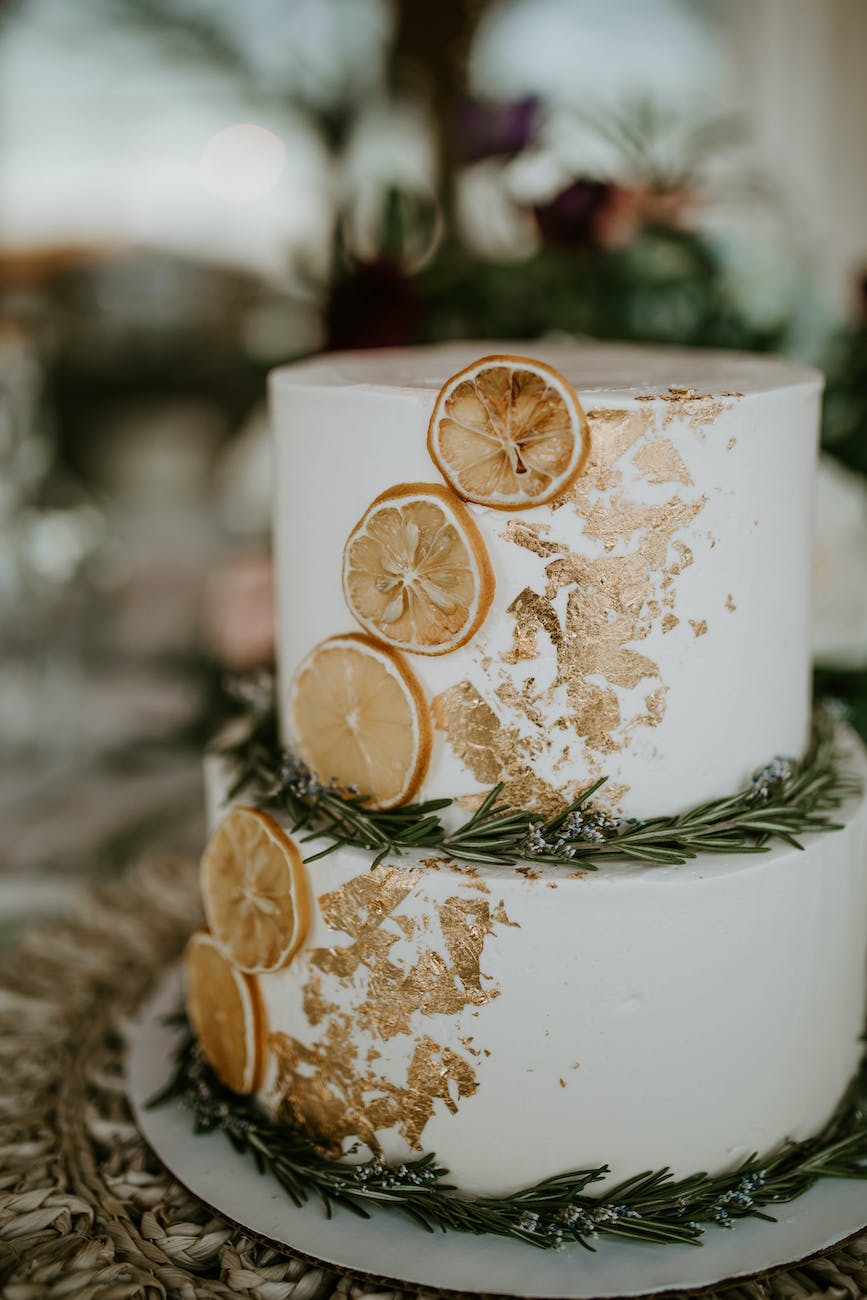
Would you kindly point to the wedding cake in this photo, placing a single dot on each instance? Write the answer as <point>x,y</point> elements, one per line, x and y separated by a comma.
<point>540,569</point>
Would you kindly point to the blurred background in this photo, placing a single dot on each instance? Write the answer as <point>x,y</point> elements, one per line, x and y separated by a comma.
<point>192,191</point>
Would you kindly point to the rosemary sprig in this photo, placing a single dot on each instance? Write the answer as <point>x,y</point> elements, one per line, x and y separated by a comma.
<point>785,800</point>
<point>652,1207</point>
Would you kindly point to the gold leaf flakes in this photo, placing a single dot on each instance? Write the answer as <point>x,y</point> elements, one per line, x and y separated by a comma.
<point>531,538</point>
<point>698,410</point>
<point>499,914</point>
<point>316,1006</point>
<point>326,1093</point>
<point>660,462</point>
<point>612,603</point>
<point>474,731</point>
<point>373,985</point>
<point>532,614</point>
<point>491,751</point>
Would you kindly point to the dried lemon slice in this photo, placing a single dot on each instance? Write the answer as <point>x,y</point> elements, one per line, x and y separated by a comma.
<point>416,572</point>
<point>254,888</point>
<point>360,719</point>
<point>508,432</point>
<point>225,1011</point>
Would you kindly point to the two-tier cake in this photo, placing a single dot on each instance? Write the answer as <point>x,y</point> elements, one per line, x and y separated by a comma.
<point>536,571</point>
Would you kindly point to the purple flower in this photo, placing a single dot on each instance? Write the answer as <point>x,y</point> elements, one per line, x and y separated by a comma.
<point>489,130</point>
<point>375,305</point>
<point>573,218</point>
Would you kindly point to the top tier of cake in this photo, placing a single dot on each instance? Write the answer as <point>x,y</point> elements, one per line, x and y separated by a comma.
<point>650,624</point>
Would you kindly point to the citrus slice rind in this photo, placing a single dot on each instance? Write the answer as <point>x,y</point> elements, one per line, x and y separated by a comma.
<point>360,720</point>
<point>416,573</point>
<point>255,892</point>
<point>225,1011</point>
<point>508,432</point>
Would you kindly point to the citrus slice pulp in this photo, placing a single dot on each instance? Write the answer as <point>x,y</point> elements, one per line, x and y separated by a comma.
<point>508,432</point>
<point>254,888</point>
<point>226,1014</point>
<point>360,720</point>
<point>416,573</point>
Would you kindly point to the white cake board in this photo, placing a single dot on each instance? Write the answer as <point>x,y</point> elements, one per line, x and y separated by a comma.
<point>393,1251</point>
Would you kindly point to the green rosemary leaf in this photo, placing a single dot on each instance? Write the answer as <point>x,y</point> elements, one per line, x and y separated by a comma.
<point>784,802</point>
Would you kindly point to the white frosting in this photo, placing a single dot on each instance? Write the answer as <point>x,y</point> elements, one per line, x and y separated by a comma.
<point>643,1016</point>
<point>698,702</point>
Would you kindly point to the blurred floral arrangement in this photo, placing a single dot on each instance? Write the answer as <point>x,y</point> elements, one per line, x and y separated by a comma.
<point>455,216</point>
<point>520,247</point>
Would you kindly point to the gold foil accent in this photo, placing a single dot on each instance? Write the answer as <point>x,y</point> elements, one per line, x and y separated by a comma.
<point>610,603</point>
<point>499,914</point>
<point>730,604</point>
<point>587,614</point>
<point>465,924</point>
<point>329,1096</point>
<point>359,909</point>
<point>661,462</point>
<point>492,751</point>
<point>475,733</point>
<point>684,559</point>
<point>316,1005</point>
<point>470,802</point>
<point>383,984</point>
<point>654,704</point>
<point>611,796</point>
<point>532,614</point>
<point>699,626</point>
<point>522,700</point>
<point>531,538</point>
<point>698,410</point>
<point>437,984</point>
<point>470,876</point>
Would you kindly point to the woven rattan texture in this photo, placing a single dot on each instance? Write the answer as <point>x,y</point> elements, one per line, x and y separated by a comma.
<point>86,1211</point>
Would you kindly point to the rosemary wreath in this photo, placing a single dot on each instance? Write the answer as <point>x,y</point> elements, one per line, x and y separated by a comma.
<point>652,1207</point>
<point>785,800</point>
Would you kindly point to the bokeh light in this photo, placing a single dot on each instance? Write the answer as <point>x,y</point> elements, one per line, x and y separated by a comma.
<point>242,163</point>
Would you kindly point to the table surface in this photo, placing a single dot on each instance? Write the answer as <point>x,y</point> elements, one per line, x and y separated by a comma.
<point>123,781</point>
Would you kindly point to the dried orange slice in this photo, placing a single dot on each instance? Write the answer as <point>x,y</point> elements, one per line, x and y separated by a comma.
<point>226,1013</point>
<point>359,718</point>
<point>254,887</point>
<point>508,432</point>
<point>416,572</point>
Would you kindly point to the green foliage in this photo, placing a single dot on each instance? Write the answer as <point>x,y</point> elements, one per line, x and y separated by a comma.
<point>784,801</point>
<point>666,287</point>
<point>844,425</point>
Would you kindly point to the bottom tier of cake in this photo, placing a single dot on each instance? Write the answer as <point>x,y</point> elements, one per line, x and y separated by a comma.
<point>519,1022</point>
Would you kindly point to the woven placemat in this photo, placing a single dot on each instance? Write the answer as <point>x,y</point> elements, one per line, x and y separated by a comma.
<point>86,1211</point>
